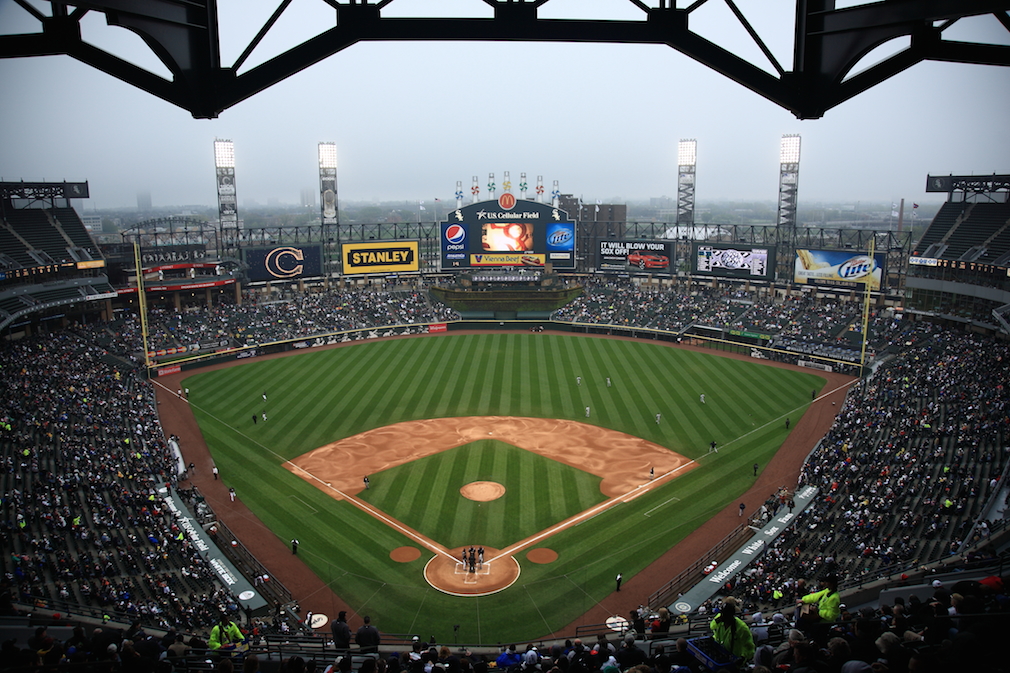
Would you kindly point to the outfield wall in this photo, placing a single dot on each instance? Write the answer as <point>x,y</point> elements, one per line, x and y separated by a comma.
<point>503,321</point>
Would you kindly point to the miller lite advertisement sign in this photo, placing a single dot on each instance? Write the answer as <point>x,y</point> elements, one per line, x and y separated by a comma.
<point>844,268</point>
<point>507,232</point>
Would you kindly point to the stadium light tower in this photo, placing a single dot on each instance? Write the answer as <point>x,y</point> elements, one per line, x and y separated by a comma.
<point>227,199</point>
<point>687,158</point>
<point>224,164</point>
<point>328,183</point>
<point>329,206</point>
<point>789,180</point>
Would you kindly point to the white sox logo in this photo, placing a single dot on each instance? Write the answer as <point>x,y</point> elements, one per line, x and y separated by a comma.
<point>284,262</point>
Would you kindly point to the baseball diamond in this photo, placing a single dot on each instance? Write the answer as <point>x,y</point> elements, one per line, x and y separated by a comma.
<point>620,461</point>
<point>370,409</point>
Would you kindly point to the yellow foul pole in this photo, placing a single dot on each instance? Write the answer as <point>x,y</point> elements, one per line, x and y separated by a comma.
<point>141,302</point>
<point>868,286</point>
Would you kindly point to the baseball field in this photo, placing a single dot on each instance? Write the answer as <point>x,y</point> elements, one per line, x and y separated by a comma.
<point>536,447</point>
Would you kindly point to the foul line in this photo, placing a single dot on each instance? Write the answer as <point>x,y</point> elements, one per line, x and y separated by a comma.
<point>779,419</point>
<point>585,515</point>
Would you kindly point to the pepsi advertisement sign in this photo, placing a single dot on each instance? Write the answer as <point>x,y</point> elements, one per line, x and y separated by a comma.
<point>455,237</point>
<point>507,232</point>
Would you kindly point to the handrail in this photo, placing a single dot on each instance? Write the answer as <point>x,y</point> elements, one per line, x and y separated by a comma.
<point>685,578</point>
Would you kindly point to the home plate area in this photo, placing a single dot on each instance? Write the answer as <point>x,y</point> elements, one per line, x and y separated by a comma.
<point>453,576</point>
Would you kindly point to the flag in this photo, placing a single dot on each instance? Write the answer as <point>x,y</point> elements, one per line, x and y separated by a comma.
<point>598,205</point>
<point>915,205</point>
<point>420,205</point>
<point>437,199</point>
<point>894,206</point>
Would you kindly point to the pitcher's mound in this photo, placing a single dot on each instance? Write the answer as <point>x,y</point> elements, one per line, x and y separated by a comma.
<point>482,491</point>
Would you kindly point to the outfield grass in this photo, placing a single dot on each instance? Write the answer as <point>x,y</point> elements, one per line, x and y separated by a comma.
<point>319,397</point>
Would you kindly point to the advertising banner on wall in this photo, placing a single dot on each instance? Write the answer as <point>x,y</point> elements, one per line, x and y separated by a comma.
<point>507,232</point>
<point>286,262</point>
<point>171,254</point>
<point>632,256</point>
<point>380,257</point>
<point>733,260</point>
<point>838,267</point>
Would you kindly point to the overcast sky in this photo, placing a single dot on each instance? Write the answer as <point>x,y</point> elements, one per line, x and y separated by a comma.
<point>411,119</point>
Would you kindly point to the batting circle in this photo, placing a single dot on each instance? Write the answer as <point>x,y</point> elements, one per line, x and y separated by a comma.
<point>450,576</point>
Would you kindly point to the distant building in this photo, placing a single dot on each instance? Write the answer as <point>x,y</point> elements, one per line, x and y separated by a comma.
<point>308,198</point>
<point>143,202</point>
<point>596,222</point>
<point>93,223</point>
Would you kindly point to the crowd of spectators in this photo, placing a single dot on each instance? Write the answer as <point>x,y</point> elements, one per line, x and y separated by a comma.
<point>909,468</point>
<point>297,315</point>
<point>800,324</point>
<point>81,519</point>
<point>945,627</point>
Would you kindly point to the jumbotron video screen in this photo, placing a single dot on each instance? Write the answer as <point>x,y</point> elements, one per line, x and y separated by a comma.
<point>734,261</point>
<point>507,232</point>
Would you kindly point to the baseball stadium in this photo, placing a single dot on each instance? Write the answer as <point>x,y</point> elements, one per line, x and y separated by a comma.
<point>414,445</point>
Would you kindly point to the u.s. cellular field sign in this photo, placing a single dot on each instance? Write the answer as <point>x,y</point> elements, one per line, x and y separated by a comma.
<point>507,232</point>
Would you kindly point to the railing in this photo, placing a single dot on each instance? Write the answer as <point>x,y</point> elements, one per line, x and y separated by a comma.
<point>250,567</point>
<point>41,611</point>
<point>688,577</point>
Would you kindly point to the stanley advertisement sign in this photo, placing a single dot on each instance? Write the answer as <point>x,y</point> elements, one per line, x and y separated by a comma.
<point>380,257</point>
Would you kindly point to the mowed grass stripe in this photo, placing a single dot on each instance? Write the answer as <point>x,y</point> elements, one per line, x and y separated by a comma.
<point>535,359</point>
<point>432,364</point>
<point>322,405</point>
<point>560,379</point>
<point>624,400</point>
<point>395,386</point>
<point>360,406</point>
<point>462,367</point>
<point>489,402</point>
<point>497,467</point>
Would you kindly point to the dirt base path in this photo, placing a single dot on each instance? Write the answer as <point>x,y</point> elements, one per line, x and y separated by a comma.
<point>312,594</point>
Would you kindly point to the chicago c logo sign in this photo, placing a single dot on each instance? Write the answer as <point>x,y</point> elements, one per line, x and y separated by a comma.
<point>284,262</point>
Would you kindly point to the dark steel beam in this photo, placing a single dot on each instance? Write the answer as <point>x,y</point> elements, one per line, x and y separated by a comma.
<point>183,34</point>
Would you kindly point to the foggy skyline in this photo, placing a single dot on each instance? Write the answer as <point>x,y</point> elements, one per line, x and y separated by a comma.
<point>410,119</point>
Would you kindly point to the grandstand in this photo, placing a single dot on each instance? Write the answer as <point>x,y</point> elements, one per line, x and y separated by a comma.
<point>958,268</point>
<point>47,258</point>
<point>910,479</point>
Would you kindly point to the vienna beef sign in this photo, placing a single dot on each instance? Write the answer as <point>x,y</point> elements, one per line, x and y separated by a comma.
<point>380,257</point>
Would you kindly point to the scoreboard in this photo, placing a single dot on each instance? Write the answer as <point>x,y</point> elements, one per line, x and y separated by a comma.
<point>508,232</point>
